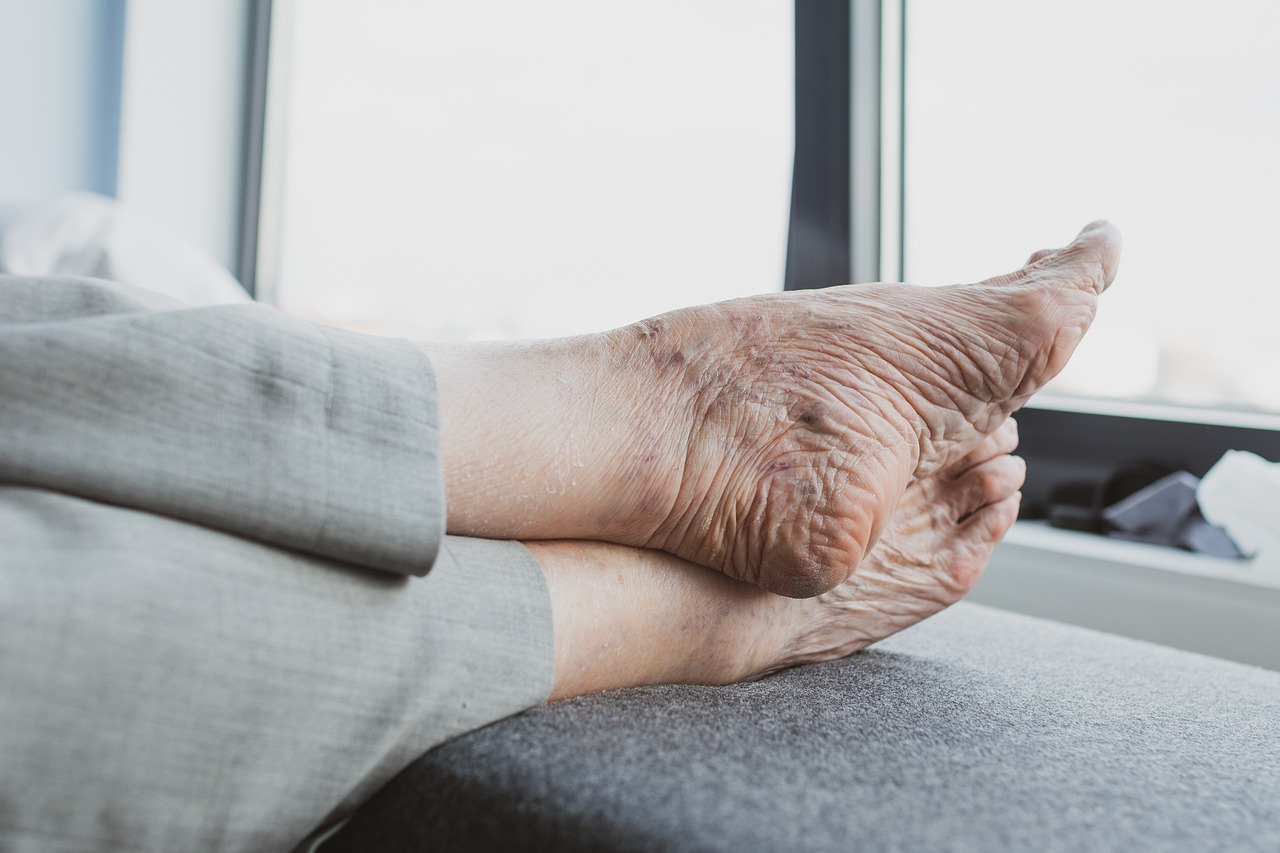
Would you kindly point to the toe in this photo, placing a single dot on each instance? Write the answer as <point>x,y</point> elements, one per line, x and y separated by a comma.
<point>1004,440</point>
<point>987,483</point>
<point>1094,255</point>
<point>1091,259</point>
<point>978,536</point>
<point>993,521</point>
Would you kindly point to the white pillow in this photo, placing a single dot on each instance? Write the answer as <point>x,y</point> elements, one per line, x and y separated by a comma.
<point>92,235</point>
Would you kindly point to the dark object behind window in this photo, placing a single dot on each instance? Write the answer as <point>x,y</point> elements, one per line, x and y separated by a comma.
<point>818,242</point>
<point>1076,447</point>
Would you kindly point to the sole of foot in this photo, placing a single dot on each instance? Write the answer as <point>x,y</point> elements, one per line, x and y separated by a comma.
<point>809,414</point>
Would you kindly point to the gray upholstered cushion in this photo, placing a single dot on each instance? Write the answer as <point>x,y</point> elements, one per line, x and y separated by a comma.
<point>978,730</point>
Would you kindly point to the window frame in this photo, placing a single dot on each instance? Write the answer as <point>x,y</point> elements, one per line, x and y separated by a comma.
<point>271,58</point>
<point>253,156</point>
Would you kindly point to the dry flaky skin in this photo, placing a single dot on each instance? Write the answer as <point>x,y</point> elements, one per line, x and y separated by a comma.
<point>769,438</point>
<point>625,616</point>
<point>933,551</point>
<point>808,415</point>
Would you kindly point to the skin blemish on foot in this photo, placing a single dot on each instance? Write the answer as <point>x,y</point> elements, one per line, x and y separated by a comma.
<point>667,361</point>
<point>805,487</point>
<point>650,328</point>
<point>812,415</point>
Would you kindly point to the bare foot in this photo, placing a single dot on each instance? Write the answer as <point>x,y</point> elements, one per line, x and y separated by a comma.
<point>809,414</point>
<point>627,616</point>
<point>932,553</point>
<point>769,438</point>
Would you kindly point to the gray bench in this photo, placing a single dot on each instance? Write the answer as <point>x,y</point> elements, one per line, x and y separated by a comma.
<point>978,730</point>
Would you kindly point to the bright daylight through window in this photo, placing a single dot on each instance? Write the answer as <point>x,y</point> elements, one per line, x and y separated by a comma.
<point>1026,120</point>
<point>467,171</point>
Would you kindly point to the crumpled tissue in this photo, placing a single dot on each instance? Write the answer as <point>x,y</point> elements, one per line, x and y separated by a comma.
<point>1241,493</point>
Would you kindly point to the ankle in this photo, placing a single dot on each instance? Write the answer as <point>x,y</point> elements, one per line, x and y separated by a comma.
<point>626,616</point>
<point>653,374</point>
<point>551,439</point>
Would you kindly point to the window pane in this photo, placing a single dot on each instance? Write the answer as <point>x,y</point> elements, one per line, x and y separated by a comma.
<point>511,169</point>
<point>1027,120</point>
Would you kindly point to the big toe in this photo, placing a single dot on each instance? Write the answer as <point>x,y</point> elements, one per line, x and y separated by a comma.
<point>1092,257</point>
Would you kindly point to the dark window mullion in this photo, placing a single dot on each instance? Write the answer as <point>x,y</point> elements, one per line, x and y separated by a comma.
<point>818,240</point>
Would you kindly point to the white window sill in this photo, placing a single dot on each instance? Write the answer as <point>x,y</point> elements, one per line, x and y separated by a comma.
<point>1202,604</point>
<point>1039,536</point>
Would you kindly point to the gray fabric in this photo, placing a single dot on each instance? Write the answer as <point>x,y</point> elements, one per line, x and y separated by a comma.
<point>167,687</point>
<point>175,675</point>
<point>975,731</point>
<point>235,417</point>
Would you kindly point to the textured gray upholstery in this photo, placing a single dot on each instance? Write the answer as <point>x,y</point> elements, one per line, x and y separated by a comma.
<point>978,730</point>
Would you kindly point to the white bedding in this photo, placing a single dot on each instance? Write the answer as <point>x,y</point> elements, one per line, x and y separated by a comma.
<point>92,235</point>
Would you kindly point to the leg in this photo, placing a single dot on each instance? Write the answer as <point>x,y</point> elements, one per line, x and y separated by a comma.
<point>168,687</point>
<point>235,417</point>
<point>171,687</point>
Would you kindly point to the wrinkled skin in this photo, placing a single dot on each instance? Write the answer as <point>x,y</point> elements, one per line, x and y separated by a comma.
<point>933,551</point>
<point>813,414</point>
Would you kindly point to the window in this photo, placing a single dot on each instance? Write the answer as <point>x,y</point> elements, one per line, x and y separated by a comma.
<point>460,171</point>
<point>1026,120</point>
<point>1021,122</point>
<point>449,171</point>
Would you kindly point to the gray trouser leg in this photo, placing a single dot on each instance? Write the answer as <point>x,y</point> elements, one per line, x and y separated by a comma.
<point>168,687</point>
<point>195,650</point>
